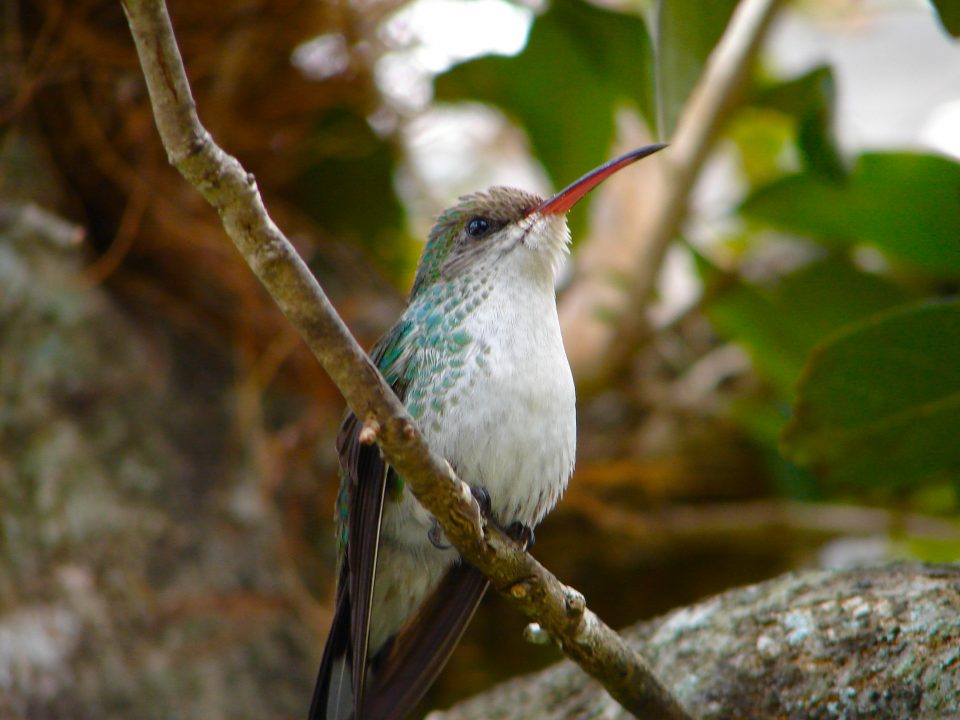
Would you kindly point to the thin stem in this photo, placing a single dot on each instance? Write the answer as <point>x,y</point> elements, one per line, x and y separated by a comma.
<point>698,126</point>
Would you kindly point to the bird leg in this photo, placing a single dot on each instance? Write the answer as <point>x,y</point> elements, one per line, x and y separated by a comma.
<point>521,533</point>
<point>482,497</point>
<point>435,533</point>
<point>435,536</point>
<point>516,531</point>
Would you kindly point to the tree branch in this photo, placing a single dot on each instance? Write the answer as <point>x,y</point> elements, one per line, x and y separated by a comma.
<point>233,193</point>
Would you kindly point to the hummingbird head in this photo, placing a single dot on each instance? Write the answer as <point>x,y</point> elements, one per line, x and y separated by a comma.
<point>506,225</point>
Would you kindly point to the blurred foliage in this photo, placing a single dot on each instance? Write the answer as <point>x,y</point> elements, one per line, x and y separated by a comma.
<point>949,14</point>
<point>686,32</point>
<point>904,204</point>
<point>348,189</point>
<point>80,94</point>
<point>900,205</point>
<point>580,64</point>
<point>809,100</point>
<point>879,403</point>
<point>780,325</point>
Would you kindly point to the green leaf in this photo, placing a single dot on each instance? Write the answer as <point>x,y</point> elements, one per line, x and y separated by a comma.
<point>879,404</point>
<point>580,65</point>
<point>810,99</point>
<point>907,205</point>
<point>949,13</point>
<point>763,137</point>
<point>687,31</point>
<point>780,325</point>
<point>347,188</point>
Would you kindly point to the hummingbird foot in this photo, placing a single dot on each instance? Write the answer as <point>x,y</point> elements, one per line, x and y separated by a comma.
<point>523,534</point>
<point>480,494</point>
<point>435,536</point>
<point>516,531</point>
<point>482,497</point>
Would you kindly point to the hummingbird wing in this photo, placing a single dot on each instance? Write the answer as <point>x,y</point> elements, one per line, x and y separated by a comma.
<point>341,680</point>
<point>333,693</point>
<point>407,667</point>
<point>411,661</point>
<point>365,476</point>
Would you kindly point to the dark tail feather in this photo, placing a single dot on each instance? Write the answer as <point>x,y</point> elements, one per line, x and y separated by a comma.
<point>333,693</point>
<point>420,650</point>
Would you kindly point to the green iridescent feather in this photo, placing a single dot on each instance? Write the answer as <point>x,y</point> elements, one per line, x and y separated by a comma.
<point>418,356</point>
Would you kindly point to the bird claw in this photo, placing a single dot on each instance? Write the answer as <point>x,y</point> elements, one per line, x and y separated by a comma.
<point>517,531</point>
<point>521,533</point>
<point>482,497</point>
<point>435,535</point>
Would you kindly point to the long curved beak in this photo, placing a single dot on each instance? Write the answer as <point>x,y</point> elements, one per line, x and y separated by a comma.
<point>574,192</point>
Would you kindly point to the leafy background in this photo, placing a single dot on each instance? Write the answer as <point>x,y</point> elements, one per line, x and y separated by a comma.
<point>166,466</point>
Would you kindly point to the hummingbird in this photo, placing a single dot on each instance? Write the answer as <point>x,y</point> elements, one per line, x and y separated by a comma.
<point>478,361</point>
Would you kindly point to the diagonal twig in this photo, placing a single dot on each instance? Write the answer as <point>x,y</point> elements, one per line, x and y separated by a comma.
<point>703,116</point>
<point>233,193</point>
<point>701,119</point>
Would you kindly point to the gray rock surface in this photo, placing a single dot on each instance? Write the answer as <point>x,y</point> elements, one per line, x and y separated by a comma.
<point>138,572</point>
<point>881,642</point>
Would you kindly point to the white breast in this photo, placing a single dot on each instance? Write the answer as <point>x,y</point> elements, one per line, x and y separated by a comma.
<point>508,423</point>
<point>516,432</point>
<point>498,403</point>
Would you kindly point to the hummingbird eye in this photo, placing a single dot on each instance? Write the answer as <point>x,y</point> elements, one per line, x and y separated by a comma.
<point>478,227</point>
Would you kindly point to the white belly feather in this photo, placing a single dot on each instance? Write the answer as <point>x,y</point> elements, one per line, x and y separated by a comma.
<point>513,430</point>
<point>505,419</point>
